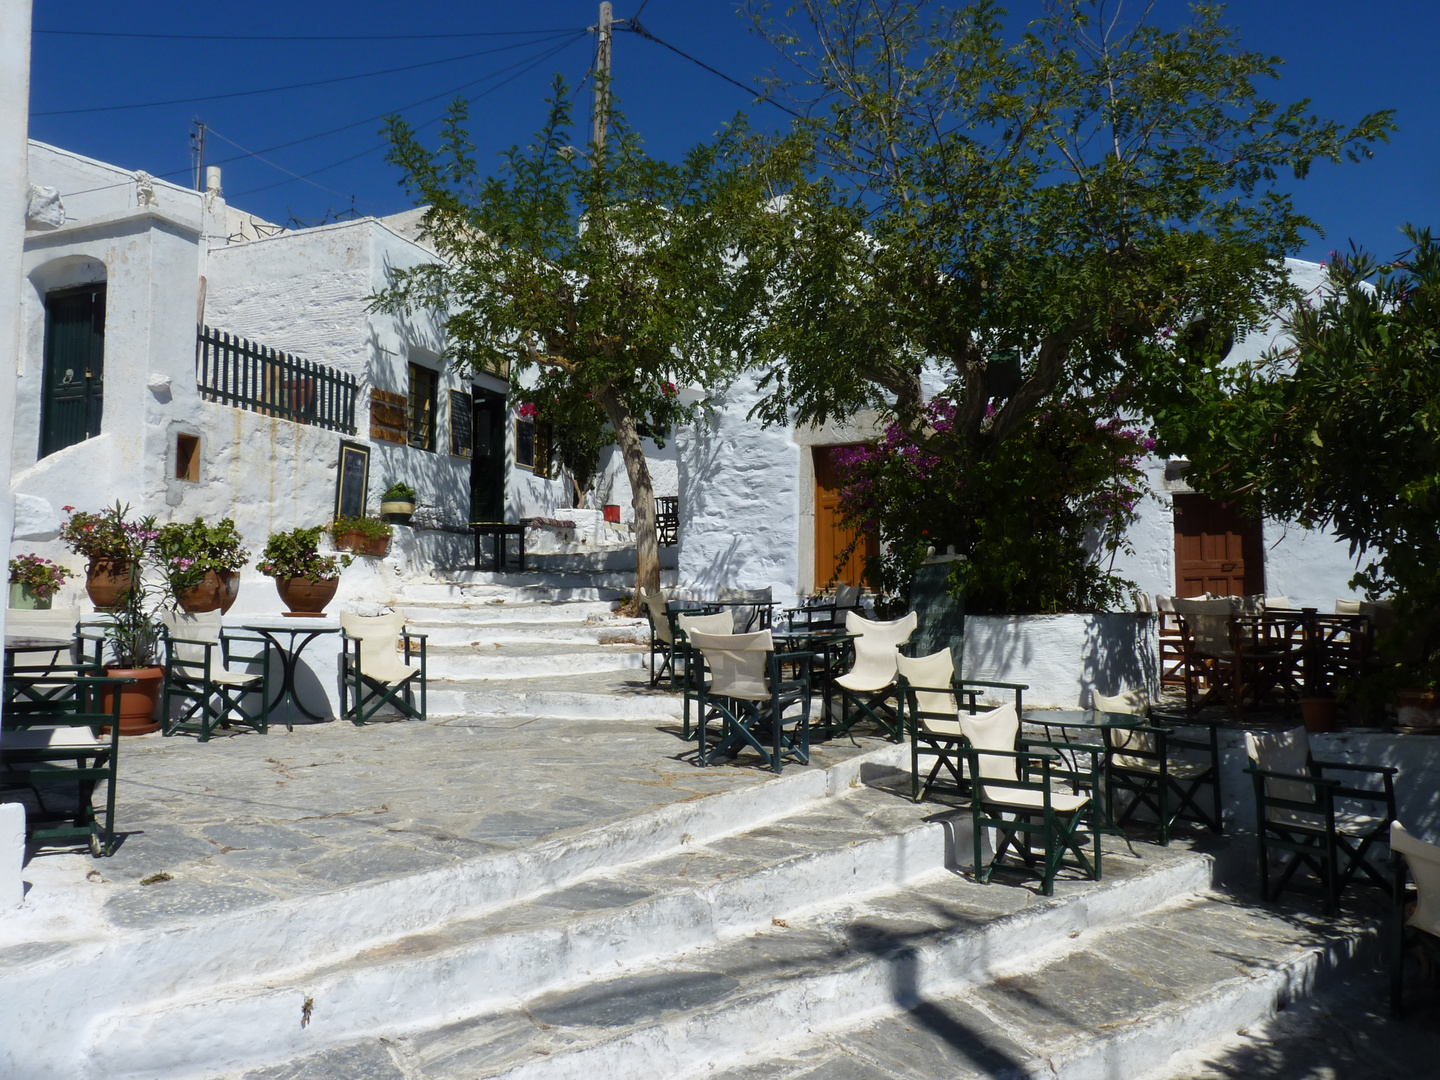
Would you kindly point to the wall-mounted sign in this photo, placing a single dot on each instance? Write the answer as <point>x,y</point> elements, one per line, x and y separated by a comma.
<point>352,480</point>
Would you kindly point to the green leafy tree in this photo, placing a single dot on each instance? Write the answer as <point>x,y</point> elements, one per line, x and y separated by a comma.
<point>1066,193</point>
<point>607,270</point>
<point>1339,428</point>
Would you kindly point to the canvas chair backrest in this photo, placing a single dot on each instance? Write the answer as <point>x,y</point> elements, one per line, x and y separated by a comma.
<point>379,637</point>
<point>204,626</point>
<point>876,649</point>
<point>1282,752</point>
<point>656,607</point>
<point>719,623</point>
<point>1347,607</point>
<point>993,730</point>
<point>937,669</point>
<point>1279,603</point>
<point>1128,703</point>
<point>1209,625</point>
<point>54,623</point>
<point>1424,862</point>
<point>1165,603</point>
<point>848,596</point>
<point>746,615</point>
<point>737,663</point>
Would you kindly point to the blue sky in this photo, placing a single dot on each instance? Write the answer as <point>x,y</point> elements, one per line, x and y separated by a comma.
<point>1350,58</point>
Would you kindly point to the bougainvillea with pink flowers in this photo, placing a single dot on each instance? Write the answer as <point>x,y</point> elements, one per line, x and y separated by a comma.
<point>1038,517</point>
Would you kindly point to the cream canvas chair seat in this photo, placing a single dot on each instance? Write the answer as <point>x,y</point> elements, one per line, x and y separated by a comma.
<point>1421,930</point>
<point>933,698</point>
<point>202,688</point>
<point>720,622</point>
<point>869,685</point>
<point>746,693</point>
<point>376,667</point>
<point>1144,762</point>
<point>1306,819</point>
<point>1014,793</point>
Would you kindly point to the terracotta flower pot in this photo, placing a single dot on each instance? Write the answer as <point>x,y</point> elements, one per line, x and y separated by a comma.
<point>139,702</point>
<point>218,589</point>
<point>1318,713</point>
<point>356,541</point>
<point>1418,710</point>
<point>107,581</point>
<point>306,598</point>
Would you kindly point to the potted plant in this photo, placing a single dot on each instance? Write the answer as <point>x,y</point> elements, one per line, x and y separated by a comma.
<point>133,635</point>
<point>362,535</point>
<point>202,563</point>
<point>305,579</point>
<point>113,546</point>
<point>35,581</point>
<point>398,502</point>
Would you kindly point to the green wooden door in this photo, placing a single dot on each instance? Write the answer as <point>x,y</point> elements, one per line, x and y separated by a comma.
<point>74,395</point>
<point>487,464</point>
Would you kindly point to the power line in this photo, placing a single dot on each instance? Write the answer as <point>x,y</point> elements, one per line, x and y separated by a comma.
<point>303,37</point>
<point>434,120</point>
<point>634,26</point>
<point>295,86</point>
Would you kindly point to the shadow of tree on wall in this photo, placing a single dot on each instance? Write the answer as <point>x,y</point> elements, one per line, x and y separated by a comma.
<point>1119,653</point>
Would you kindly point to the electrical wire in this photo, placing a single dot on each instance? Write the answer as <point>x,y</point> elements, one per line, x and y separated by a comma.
<point>434,120</point>
<point>304,37</point>
<point>295,86</point>
<point>633,26</point>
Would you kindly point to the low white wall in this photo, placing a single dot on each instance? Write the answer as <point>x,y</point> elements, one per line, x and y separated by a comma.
<point>1062,658</point>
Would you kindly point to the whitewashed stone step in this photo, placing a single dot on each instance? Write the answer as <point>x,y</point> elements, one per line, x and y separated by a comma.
<point>523,590</point>
<point>476,611</point>
<point>555,631</point>
<point>530,660</point>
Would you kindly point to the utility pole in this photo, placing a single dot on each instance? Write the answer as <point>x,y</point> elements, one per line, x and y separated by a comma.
<point>197,151</point>
<point>602,74</point>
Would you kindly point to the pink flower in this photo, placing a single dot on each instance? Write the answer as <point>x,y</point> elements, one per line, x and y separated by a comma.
<point>528,410</point>
<point>670,389</point>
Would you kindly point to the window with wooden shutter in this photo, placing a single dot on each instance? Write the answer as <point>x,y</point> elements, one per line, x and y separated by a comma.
<point>422,407</point>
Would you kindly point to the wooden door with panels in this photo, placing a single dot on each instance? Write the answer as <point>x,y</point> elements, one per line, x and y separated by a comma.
<point>832,538</point>
<point>1216,549</point>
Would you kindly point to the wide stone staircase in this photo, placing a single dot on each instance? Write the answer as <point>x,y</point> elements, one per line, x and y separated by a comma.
<point>817,925</point>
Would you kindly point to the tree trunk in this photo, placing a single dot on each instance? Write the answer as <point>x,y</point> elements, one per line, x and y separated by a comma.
<point>647,546</point>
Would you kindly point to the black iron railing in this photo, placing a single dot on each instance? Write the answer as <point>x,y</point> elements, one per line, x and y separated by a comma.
<point>237,372</point>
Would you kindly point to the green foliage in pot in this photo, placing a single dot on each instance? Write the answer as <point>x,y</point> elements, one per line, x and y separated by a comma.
<point>109,534</point>
<point>297,554</point>
<point>398,491</point>
<point>188,550</point>
<point>368,527</point>
<point>40,577</point>
<point>134,632</point>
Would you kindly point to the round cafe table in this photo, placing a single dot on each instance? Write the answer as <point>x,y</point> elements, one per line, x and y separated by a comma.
<point>301,633</point>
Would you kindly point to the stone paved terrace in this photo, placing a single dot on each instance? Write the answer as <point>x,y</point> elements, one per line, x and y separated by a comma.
<point>246,819</point>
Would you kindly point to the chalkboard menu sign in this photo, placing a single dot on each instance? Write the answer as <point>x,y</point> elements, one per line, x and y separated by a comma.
<point>352,480</point>
<point>462,438</point>
<point>940,616</point>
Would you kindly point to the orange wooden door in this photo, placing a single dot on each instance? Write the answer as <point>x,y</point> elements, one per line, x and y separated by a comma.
<point>1216,550</point>
<point>832,538</point>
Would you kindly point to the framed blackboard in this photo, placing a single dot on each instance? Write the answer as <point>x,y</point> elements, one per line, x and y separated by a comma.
<point>940,616</point>
<point>462,438</point>
<point>352,480</point>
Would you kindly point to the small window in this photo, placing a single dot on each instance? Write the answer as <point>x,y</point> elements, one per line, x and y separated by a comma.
<point>187,458</point>
<point>532,445</point>
<point>422,407</point>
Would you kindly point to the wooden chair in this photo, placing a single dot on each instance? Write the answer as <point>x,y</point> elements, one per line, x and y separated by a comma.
<point>1420,932</point>
<point>933,698</point>
<point>1014,793</point>
<point>67,748</point>
<point>374,673</point>
<point>1210,663</point>
<point>747,694</point>
<point>869,685</point>
<point>199,678</point>
<point>1313,818</point>
<point>1141,762</point>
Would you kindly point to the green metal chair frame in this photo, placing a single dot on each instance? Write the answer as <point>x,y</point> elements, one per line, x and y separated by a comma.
<point>744,721</point>
<point>199,683</point>
<point>1307,829</point>
<point>66,746</point>
<point>354,681</point>
<point>682,655</point>
<point>947,748</point>
<point>1063,833</point>
<point>880,705</point>
<point>1147,772</point>
<point>1421,931</point>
